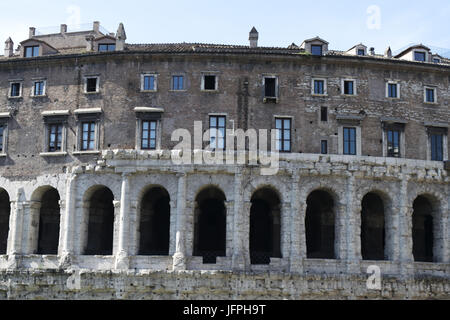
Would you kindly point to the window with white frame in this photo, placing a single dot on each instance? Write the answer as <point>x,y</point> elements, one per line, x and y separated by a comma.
<point>15,89</point>
<point>88,132</point>
<point>349,136</point>
<point>430,95</point>
<point>349,87</point>
<point>283,128</point>
<point>91,84</point>
<point>210,82</point>
<point>55,132</point>
<point>217,127</point>
<point>4,119</point>
<point>420,56</point>
<point>178,83</point>
<point>392,90</point>
<point>319,86</point>
<point>148,128</point>
<point>149,82</point>
<point>39,88</point>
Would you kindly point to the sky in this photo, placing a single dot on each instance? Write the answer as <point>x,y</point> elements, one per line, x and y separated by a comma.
<point>343,23</point>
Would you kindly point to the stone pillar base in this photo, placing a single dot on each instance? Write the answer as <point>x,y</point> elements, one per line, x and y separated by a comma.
<point>122,261</point>
<point>179,262</point>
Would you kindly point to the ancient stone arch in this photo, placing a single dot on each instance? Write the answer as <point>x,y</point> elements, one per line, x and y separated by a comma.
<point>210,224</point>
<point>265,225</point>
<point>5,209</point>
<point>154,221</point>
<point>99,212</point>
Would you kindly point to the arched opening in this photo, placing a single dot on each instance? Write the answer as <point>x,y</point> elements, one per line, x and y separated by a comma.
<point>422,233</point>
<point>372,228</point>
<point>210,225</point>
<point>265,226</point>
<point>101,223</point>
<point>5,209</point>
<point>320,226</point>
<point>49,217</point>
<point>154,227</point>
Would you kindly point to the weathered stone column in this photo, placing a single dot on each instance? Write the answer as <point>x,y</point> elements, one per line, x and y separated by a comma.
<point>16,226</point>
<point>238,260</point>
<point>179,258</point>
<point>296,254</point>
<point>405,228</point>
<point>122,259</point>
<point>67,247</point>
<point>350,226</point>
<point>31,227</point>
<point>229,206</point>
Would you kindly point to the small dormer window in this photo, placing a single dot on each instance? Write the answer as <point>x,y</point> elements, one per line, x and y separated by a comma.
<point>316,50</point>
<point>419,56</point>
<point>361,52</point>
<point>437,60</point>
<point>32,51</point>
<point>104,47</point>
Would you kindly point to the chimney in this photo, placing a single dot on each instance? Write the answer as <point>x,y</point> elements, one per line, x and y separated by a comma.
<point>63,28</point>
<point>388,53</point>
<point>96,27</point>
<point>253,38</point>
<point>9,47</point>
<point>89,42</point>
<point>372,51</point>
<point>32,32</point>
<point>121,36</point>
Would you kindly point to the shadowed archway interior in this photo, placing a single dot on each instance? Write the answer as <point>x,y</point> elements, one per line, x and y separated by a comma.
<point>265,228</point>
<point>5,209</point>
<point>49,218</point>
<point>422,232</point>
<point>372,227</point>
<point>154,227</point>
<point>320,226</point>
<point>210,225</point>
<point>101,223</point>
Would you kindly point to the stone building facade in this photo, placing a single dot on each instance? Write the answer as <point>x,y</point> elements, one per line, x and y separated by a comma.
<point>92,204</point>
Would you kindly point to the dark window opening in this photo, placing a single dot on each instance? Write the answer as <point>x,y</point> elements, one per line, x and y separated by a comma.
<point>265,226</point>
<point>210,225</point>
<point>422,230</point>
<point>270,90</point>
<point>149,83</point>
<point>324,114</point>
<point>324,147</point>
<point>350,141</point>
<point>55,137</point>
<point>2,129</point>
<point>106,47</point>
<point>5,210</point>
<point>148,138</point>
<point>210,83</point>
<point>101,223</point>
<point>283,134</point>
<point>392,90</point>
<point>435,60</point>
<point>32,51</point>
<point>349,87</point>
<point>419,56</point>
<point>154,227</point>
<point>49,215</point>
<point>372,228</point>
<point>319,87</point>
<point>88,136</point>
<point>91,84</point>
<point>15,89</point>
<point>361,52</point>
<point>429,95</point>
<point>320,226</point>
<point>177,83</point>
<point>316,50</point>
<point>393,143</point>
<point>217,126</point>
<point>437,147</point>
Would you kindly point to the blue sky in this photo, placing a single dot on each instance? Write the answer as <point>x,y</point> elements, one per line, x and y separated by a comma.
<point>280,22</point>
